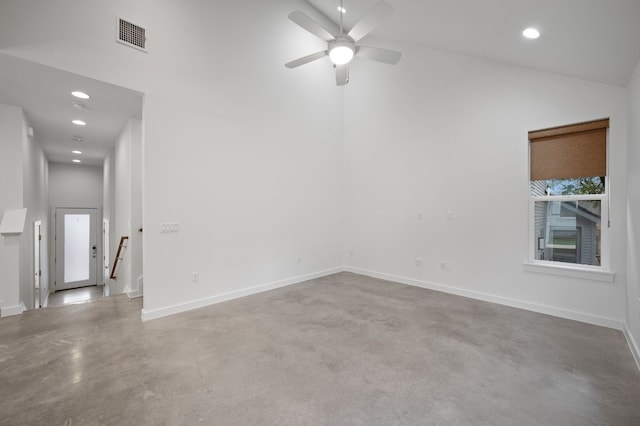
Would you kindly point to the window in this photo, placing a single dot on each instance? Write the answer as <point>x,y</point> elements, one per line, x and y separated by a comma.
<point>568,199</point>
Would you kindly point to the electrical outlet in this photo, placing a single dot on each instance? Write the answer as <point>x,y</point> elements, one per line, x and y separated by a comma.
<point>420,216</point>
<point>449,214</point>
<point>419,261</point>
<point>351,253</point>
<point>195,276</point>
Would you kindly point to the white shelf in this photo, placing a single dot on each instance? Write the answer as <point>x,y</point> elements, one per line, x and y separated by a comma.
<point>13,221</point>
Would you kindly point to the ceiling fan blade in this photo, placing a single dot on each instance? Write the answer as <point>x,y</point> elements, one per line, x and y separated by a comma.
<point>342,74</point>
<point>371,20</point>
<point>306,59</point>
<point>377,54</point>
<point>309,24</point>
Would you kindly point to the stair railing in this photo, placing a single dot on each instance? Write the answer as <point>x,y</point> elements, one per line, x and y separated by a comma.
<point>119,257</point>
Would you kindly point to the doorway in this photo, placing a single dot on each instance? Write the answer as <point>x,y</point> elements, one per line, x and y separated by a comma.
<point>37,264</point>
<point>105,256</point>
<point>112,142</point>
<point>76,248</point>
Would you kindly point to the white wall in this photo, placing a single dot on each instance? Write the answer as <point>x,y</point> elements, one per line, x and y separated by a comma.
<point>444,132</point>
<point>243,153</point>
<point>247,156</point>
<point>633,215</point>
<point>11,197</point>
<point>23,184</point>
<point>109,207</point>
<point>124,168</point>
<point>136,206</point>
<point>36,199</point>
<point>76,185</point>
<point>123,223</point>
<point>123,208</point>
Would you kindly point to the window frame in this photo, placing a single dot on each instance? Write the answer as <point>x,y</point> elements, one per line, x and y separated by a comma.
<point>604,229</point>
<point>580,271</point>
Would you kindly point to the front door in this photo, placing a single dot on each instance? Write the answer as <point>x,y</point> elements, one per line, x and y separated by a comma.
<point>76,258</point>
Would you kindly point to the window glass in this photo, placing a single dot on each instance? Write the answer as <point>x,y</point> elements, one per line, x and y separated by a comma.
<point>575,186</point>
<point>568,231</point>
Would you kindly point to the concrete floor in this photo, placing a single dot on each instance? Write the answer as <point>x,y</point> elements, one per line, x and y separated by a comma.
<point>344,349</point>
<point>75,295</point>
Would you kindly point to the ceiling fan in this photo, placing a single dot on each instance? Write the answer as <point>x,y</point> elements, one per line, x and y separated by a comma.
<point>341,45</point>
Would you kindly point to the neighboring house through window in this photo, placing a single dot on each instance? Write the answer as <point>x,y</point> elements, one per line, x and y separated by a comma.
<point>569,204</point>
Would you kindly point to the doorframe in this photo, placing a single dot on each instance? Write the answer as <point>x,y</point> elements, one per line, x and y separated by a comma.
<point>52,241</point>
<point>106,253</point>
<point>37,264</point>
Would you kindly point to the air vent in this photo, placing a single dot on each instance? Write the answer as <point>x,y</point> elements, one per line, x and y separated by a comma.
<point>131,35</point>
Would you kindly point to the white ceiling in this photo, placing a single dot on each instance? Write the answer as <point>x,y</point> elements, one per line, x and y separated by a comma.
<point>45,95</point>
<point>597,40</point>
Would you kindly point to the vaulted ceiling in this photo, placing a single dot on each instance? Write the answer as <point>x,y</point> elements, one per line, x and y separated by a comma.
<point>597,40</point>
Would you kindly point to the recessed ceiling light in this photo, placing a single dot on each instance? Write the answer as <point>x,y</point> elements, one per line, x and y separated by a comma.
<point>77,139</point>
<point>76,152</point>
<point>342,9</point>
<point>75,160</point>
<point>531,33</point>
<point>80,95</point>
<point>79,123</point>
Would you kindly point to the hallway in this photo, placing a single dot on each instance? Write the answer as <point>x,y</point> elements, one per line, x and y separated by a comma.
<point>75,295</point>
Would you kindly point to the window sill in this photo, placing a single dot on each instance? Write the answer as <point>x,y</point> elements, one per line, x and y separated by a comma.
<point>571,271</point>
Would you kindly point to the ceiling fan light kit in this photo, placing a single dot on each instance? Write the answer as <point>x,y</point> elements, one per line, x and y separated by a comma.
<point>341,46</point>
<point>341,51</point>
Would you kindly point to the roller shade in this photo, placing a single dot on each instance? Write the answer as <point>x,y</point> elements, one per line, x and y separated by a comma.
<point>574,151</point>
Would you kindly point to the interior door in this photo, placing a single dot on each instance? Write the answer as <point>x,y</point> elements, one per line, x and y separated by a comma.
<point>76,258</point>
<point>37,268</point>
<point>105,255</point>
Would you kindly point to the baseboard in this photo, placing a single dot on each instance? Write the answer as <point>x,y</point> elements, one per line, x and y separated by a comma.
<point>12,310</point>
<point>515,303</point>
<point>183,307</point>
<point>133,294</point>
<point>633,345</point>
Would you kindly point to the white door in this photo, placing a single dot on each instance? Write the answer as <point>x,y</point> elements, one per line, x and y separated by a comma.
<point>76,258</point>
<point>105,256</point>
<point>37,270</point>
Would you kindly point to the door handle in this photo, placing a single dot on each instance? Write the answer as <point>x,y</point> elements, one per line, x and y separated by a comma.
<point>95,251</point>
